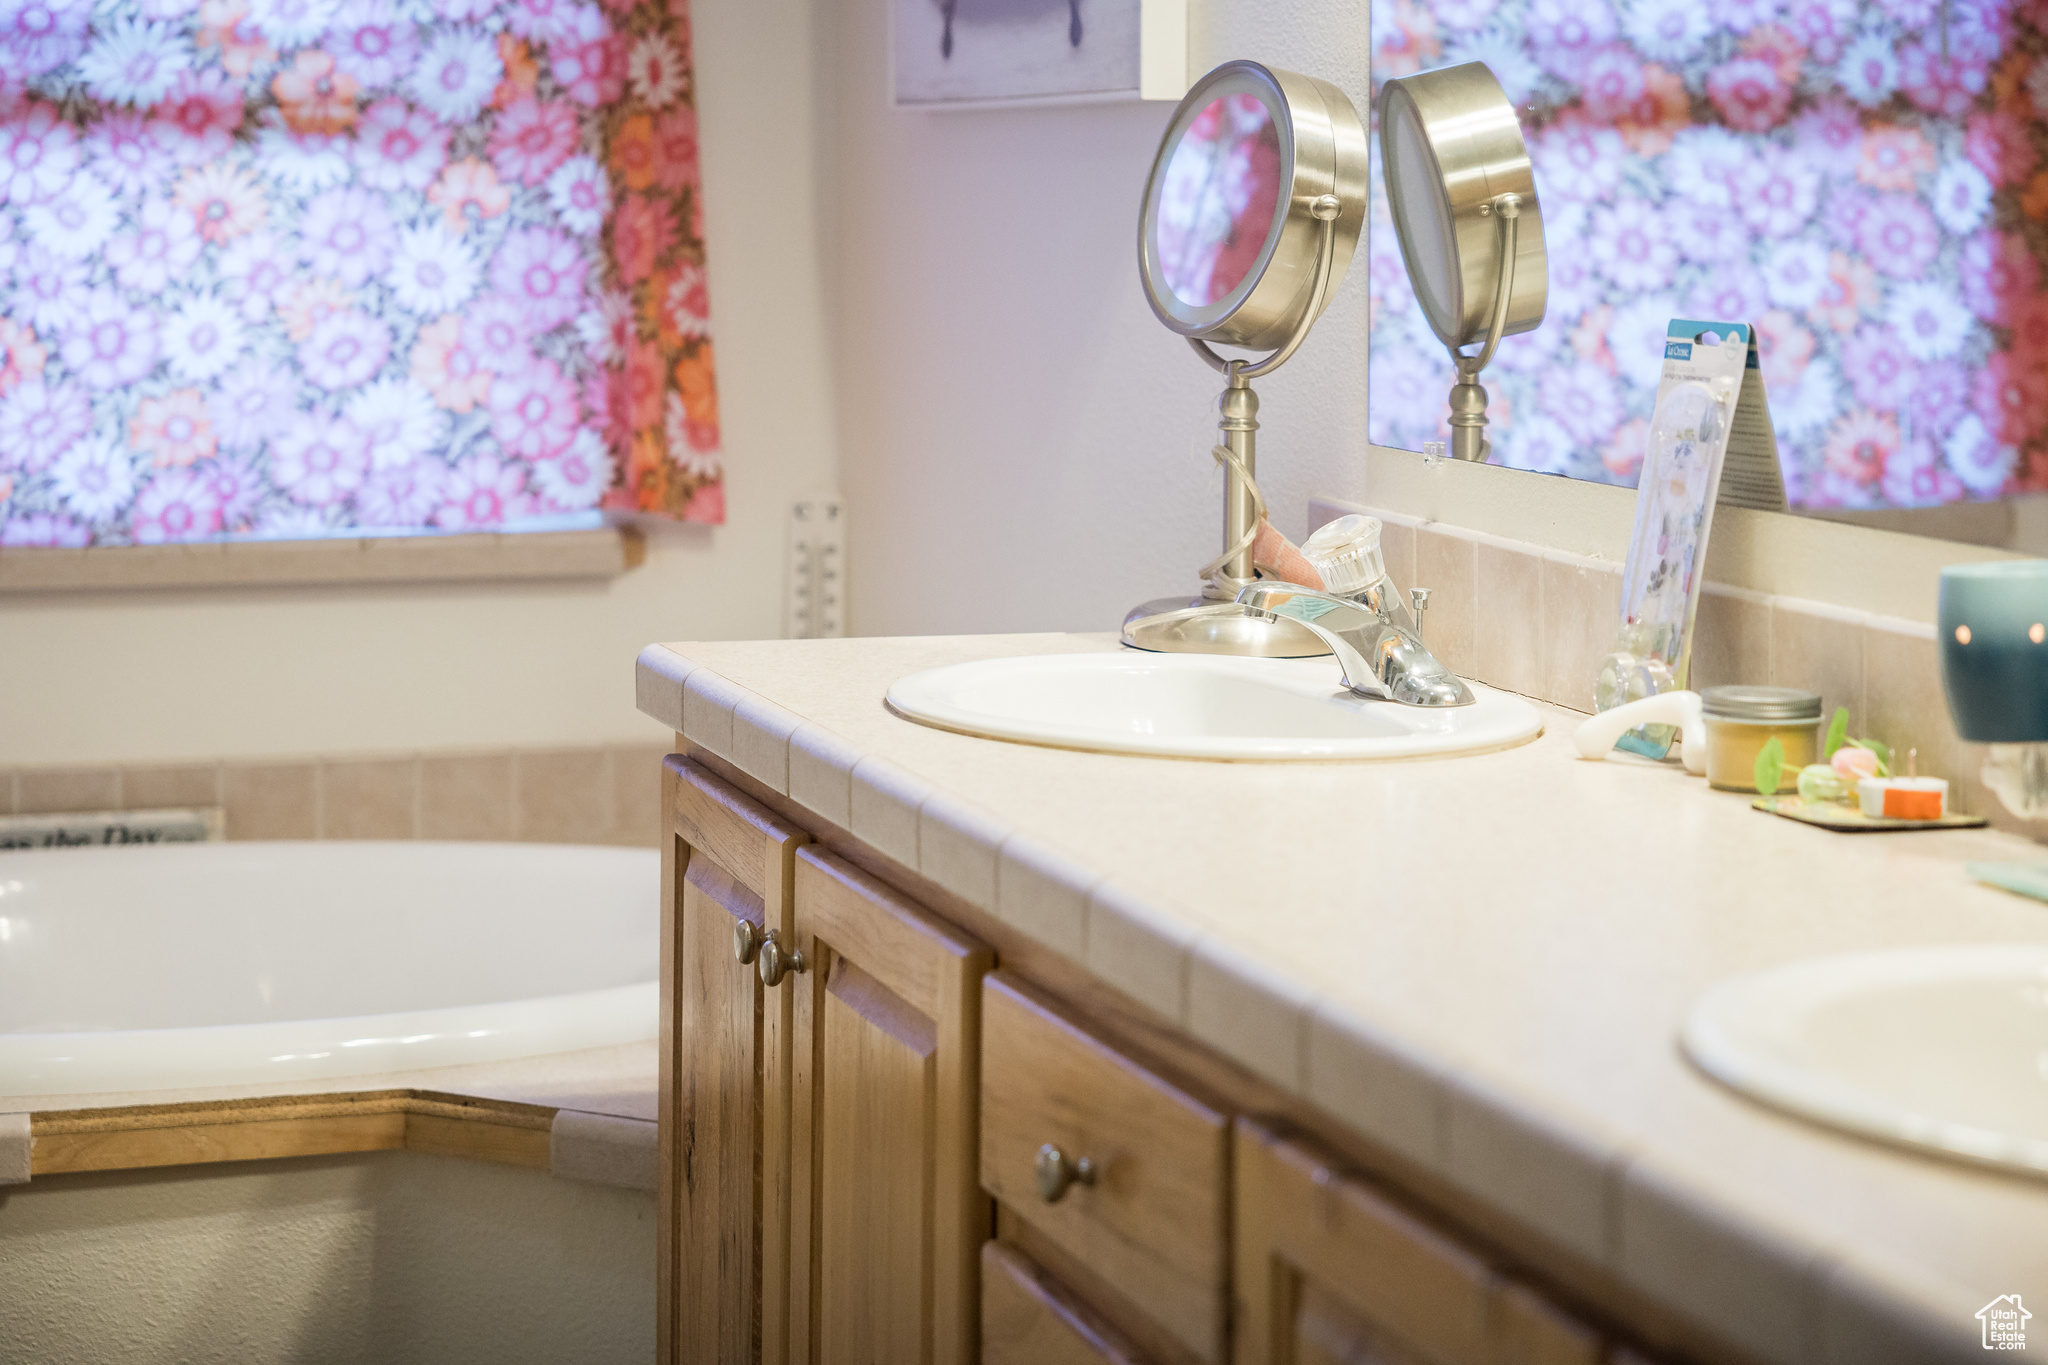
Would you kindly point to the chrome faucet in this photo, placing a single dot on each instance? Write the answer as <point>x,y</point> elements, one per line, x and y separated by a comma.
<point>1371,635</point>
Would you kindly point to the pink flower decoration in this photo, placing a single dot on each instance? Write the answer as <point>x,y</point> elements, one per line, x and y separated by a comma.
<point>1912,478</point>
<point>544,272</point>
<point>1564,34</point>
<point>2002,146</point>
<point>642,230</point>
<point>545,21</point>
<point>533,138</point>
<point>235,485</point>
<point>1579,159</point>
<point>348,234</point>
<point>1939,397</point>
<point>533,411</point>
<point>176,506</point>
<point>196,122</point>
<point>1824,26</point>
<point>1750,93</point>
<point>1877,365</point>
<point>1947,86</point>
<point>38,36</point>
<point>1999,274</point>
<point>174,429</point>
<point>382,52</point>
<point>676,151</point>
<point>345,350</point>
<point>1612,83</point>
<point>482,490</point>
<point>406,496</point>
<point>1851,761</point>
<point>40,421</point>
<point>590,66</point>
<point>1899,235</point>
<point>321,459</point>
<point>110,344</point>
<point>2010,398</point>
<point>38,154</point>
<point>448,365</point>
<point>1583,400</point>
<point>399,147</point>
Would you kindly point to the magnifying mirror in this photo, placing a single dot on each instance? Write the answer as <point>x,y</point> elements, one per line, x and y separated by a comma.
<point>1464,206</point>
<point>1251,214</point>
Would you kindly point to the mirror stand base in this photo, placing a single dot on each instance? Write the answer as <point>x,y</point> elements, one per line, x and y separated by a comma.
<point>1184,625</point>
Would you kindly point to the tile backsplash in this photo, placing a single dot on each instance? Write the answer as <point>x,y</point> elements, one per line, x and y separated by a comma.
<point>605,795</point>
<point>1538,622</point>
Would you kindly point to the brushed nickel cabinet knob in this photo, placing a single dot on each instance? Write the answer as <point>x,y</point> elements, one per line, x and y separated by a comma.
<point>778,961</point>
<point>1057,1173</point>
<point>746,940</point>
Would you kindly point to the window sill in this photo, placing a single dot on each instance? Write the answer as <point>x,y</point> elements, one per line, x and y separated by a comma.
<point>593,552</point>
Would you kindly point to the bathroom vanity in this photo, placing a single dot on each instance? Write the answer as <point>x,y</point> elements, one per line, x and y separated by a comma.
<point>980,1050</point>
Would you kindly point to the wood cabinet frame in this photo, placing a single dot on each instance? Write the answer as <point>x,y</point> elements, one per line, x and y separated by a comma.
<point>722,1294</point>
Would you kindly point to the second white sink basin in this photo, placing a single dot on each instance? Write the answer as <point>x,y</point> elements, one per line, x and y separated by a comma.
<point>1939,1048</point>
<point>1200,706</point>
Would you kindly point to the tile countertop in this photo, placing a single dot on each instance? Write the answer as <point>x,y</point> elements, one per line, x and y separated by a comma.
<point>1480,962</point>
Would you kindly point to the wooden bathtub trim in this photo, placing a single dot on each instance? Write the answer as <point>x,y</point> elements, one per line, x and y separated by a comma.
<point>134,1137</point>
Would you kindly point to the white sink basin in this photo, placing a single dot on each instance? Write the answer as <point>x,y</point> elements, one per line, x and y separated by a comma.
<point>1944,1049</point>
<point>1200,706</point>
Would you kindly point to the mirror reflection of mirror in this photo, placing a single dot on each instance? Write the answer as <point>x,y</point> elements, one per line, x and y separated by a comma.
<point>1863,181</point>
<point>1216,208</point>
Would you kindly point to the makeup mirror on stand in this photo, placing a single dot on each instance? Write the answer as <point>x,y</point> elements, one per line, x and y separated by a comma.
<point>1464,206</point>
<point>1251,214</point>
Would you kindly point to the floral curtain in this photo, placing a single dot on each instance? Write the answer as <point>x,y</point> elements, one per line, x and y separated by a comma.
<point>1862,179</point>
<point>297,267</point>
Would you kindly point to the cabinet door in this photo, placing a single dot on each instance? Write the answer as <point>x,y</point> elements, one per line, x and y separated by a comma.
<point>886,1218</point>
<point>1329,1272</point>
<point>1029,1318</point>
<point>723,1211</point>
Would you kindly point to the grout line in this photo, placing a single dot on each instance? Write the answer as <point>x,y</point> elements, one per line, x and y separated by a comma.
<point>418,770</point>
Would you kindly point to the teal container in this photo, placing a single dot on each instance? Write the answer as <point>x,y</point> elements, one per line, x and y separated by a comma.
<point>1994,650</point>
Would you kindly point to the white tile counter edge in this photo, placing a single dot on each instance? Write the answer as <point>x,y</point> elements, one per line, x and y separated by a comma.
<point>1763,1288</point>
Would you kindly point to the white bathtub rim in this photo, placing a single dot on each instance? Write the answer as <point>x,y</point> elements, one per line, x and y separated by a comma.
<point>287,1051</point>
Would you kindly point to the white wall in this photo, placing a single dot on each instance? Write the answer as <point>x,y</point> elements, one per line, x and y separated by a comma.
<point>1023,446</point>
<point>145,676</point>
<point>393,1257</point>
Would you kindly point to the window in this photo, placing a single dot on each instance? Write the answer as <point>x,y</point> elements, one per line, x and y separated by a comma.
<point>289,268</point>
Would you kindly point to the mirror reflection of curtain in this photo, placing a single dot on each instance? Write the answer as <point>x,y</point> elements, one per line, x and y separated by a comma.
<point>1862,179</point>
<point>297,267</point>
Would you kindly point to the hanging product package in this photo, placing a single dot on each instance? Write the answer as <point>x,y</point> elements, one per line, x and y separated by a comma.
<point>1710,441</point>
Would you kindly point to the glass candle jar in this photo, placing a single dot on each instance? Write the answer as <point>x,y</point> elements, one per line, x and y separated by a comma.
<point>1741,720</point>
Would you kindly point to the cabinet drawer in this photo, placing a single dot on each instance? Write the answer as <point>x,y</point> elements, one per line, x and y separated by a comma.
<point>1153,1223</point>
<point>1331,1271</point>
<point>1029,1318</point>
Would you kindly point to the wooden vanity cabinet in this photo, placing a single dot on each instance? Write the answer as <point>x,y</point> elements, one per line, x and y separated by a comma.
<point>1332,1272</point>
<point>852,1125</point>
<point>887,1220</point>
<point>723,1204</point>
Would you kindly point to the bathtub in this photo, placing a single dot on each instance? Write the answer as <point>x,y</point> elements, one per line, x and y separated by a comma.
<point>175,966</point>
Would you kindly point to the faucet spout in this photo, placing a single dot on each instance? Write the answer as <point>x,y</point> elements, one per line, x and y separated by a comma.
<point>1380,659</point>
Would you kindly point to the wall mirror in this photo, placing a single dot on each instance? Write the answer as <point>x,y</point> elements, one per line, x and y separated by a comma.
<point>1250,217</point>
<point>1865,182</point>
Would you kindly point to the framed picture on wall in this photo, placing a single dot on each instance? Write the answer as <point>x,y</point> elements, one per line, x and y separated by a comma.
<point>980,54</point>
